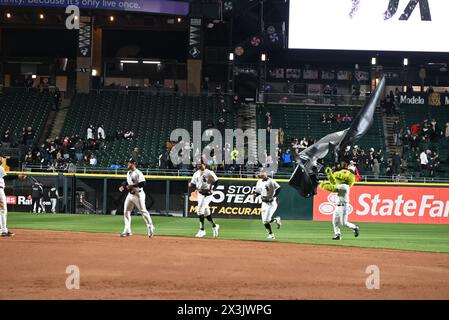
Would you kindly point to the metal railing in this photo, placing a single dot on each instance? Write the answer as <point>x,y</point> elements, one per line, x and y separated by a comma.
<point>244,173</point>
<point>314,99</point>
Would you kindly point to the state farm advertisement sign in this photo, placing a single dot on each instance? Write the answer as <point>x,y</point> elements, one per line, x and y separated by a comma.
<point>388,204</point>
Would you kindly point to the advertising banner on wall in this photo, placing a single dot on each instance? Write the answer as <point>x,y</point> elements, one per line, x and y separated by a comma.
<point>421,98</point>
<point>231,199</point>
<point>196,39</point>
<point>20,200</point>
<point>154,6</point>
<point>85,37</point>
<point>389,204</point>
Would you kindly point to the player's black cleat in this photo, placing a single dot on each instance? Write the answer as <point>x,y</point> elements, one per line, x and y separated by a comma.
<point>356,231</point>
<point>8,234</point>
<point>337,237</point>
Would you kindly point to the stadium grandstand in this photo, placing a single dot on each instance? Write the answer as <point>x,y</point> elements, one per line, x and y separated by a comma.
<point>244,151</point>
<point>119,90</point>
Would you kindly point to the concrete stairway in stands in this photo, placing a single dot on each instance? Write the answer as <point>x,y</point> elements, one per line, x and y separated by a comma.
<point>60,118</point>
<point>247,120</point>
<point>388,122</point>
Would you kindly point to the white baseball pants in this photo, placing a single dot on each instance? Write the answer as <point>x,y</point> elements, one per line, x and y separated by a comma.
<point>267,210</point>
<point>53,204</point>
<point>132,201</point>
<point>3,211</point>
<point>341,218</point>
<point>203,205</point>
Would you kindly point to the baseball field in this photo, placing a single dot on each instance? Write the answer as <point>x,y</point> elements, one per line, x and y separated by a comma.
<point>302,263</point>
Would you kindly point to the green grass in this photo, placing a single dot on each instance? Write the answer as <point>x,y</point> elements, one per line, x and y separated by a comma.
<point>432,238</point>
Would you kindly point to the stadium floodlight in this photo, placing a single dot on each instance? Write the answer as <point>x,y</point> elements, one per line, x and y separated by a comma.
<point>129,61</point>
<point>41,16</point>
<point>405,62</point>
<point>151,62</point>
<point>8,15</point>
<point>373,61</point>
<point>94,72</point>
<point>263,57</point>
<point>33,76</point>
<point>231,56</point>
<point>179,19</point>
<point>111,18</point>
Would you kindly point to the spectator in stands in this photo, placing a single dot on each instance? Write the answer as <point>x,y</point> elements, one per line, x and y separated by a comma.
<point>29,134</point>
<point>6,138</point>
<point>119,134</point>
<point>376,168</point>
<point>323,118</point>
<point>101,135</point>
<point>281,136</point>
<point>409,89</point>
<point>136,154</point>
<point>52,153</point>
<point>93,160</point>
<point>331,118</point>
<point>221,125</point>
<point>396,163</point>
<point>397,130</point>
<point>414,143</point>
<point>128,135</point>
<point>29,157</point>
<point>45,157</point>
<point>339,118</point>
<point>79,148</point>
<point>433,163</point>
<point>415,129</point>
<point>303,144</point>
<point>347,118</point>
<point>424,160</point>
<point>90,132</point>
<point>287,158</point>
<point>430,90</point>
<point>268,119</point>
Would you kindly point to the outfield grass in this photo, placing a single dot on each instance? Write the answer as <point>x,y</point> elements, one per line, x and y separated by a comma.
<point>432,238</point>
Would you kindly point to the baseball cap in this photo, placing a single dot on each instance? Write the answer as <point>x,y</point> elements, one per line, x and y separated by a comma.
<point>132,161</point>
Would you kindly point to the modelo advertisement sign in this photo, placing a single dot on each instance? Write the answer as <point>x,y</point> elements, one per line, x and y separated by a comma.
<point>420,205</point>
<point>433,99</point>
<point>230,199</point>
<point>377,25</point>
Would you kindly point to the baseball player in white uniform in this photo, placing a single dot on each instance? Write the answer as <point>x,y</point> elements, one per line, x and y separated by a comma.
<point>3,206</point>
<point>268,189</point>
<point>53,194</point>
<point>135,181</point>
<point>204,181</point>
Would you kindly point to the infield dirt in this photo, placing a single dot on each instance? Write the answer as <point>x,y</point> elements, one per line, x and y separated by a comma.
<point>33,266</point>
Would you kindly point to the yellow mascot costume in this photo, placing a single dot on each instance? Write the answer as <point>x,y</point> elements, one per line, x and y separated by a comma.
<point>340,182</point>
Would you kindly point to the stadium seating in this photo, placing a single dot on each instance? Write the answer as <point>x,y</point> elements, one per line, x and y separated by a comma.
<point>411,114</point>
<point>300,121</point>
<point>21,108</point>
<point>150,117</point>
